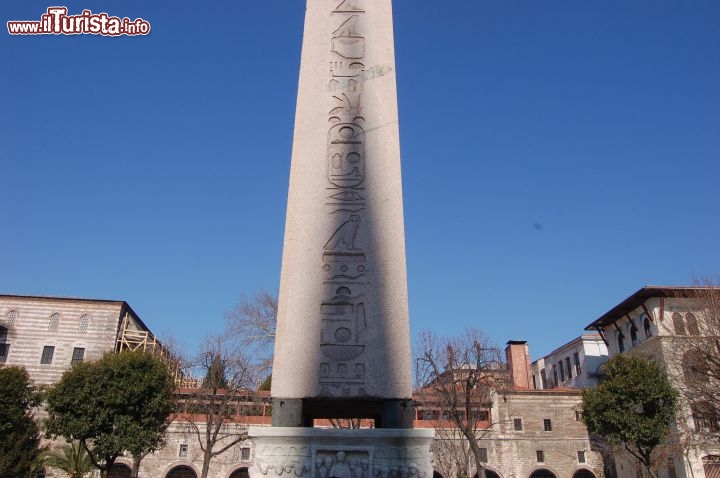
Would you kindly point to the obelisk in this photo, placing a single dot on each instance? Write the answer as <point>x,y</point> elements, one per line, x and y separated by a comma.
<point>342,342</point>
<point>342,346</point>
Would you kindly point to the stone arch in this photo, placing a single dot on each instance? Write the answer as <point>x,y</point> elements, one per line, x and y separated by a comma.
<point>181,471</point>
<point>240,473</point>
<point>489,473</point>
<point>119,470</point>
<point>711,465</point>
<point>583,473</point>
<point>436,474</point>
<point>542,473</point>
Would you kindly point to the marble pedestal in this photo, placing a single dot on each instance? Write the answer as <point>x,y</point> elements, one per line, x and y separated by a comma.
<point>294,452</point>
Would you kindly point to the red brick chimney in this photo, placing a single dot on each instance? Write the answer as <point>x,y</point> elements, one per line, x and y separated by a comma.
<point>518,362</point>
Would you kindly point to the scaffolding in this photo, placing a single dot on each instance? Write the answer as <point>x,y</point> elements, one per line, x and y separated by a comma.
<point>131,338</point>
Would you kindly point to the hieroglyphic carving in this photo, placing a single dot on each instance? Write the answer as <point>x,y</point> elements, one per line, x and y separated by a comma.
<point>348,6</point>
<point>342,341</point>
<point>343,317</point>
<point>346,155</point>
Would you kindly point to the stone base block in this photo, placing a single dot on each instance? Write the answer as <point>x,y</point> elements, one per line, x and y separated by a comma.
<point>339,453</point>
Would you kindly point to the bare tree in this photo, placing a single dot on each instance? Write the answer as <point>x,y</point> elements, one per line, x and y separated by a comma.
<point>252,322</point>
<point>214,411</point>
<point>459,378</point>
<point>694,359</point>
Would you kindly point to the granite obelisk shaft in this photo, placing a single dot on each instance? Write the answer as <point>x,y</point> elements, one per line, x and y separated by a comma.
<point>342,343</point>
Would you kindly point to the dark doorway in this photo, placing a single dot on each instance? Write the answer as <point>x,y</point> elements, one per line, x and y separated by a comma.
<point>118,470</point>
<point>181,472</point>
<point>542,473</point>
<point>583,473</point>
<point>240,473</point>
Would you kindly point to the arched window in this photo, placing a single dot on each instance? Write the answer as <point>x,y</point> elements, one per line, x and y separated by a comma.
<point>84,323</point>
<point>542,473</point>
<point>621,341</point>
<point>692,324</point>
<point>583,473</point>
<point>678,324</point>
<point>693,364</point>
<point>491,474</point>
<point>240,473</point>
<point>633,334</point>
<point>10,318</point>
<point>119,470</point>
<point>54,322</point>
<point>181,472</point>
<point>436,474</point>
<point>646,327</point>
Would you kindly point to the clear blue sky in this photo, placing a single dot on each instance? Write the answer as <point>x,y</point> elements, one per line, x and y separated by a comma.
<point>557,156</point>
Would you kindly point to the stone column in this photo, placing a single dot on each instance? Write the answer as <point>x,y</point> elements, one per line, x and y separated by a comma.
<point>342,345</point>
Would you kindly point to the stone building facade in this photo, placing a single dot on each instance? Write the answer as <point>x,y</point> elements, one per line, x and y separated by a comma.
<point>46,335</point>
<point>30,324</point>
<point>528,432</point>
<point>663,323</point>
<point>573,365</point>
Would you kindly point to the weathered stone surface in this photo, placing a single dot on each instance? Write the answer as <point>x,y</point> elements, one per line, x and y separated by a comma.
<point>340,453</point>
<point>343,328</point>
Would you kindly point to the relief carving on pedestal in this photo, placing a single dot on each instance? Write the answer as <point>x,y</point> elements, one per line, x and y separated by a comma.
<point>282,461</point>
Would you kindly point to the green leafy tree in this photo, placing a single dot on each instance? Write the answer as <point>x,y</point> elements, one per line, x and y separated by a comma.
<point>72,459</point>
<point>633,407</point>
<point>122,402</point>
<point>19,434</point>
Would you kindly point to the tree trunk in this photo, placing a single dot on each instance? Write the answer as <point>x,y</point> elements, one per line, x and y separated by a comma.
<point>136,466</point>
<point>475,450</point>
<point>206,462</point>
